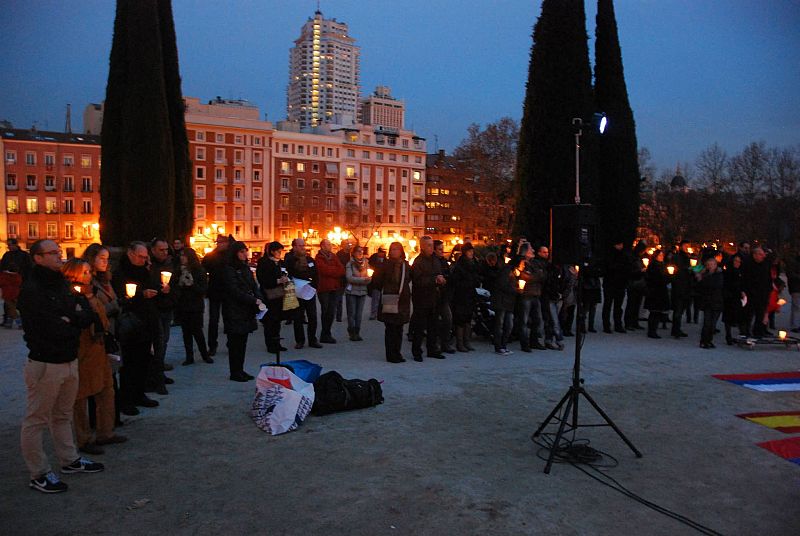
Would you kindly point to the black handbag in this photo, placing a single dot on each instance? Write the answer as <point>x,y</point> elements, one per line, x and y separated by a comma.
<point>112,346</point>
<point>275,293</point>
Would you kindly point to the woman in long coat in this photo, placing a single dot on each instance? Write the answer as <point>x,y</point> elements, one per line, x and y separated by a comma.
<point>94,369</point>
<point>733,312</point>
<point>464,279</point>
<point>394,277</point>
<point>239,309</point>
<point>190,304</point>
<point>657,300</point>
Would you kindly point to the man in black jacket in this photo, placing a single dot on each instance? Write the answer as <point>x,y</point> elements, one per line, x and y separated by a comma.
<point>137,326</point>
<point>301,266</point>
<point>757,283</point>
<point>615,280</point>
<point>681,288</point>
<point>444,309</point>
<point>376,260</point>
<point>426,279</point>
<point>160,262</point>
<point>52,317</point>
<point>214,263</point>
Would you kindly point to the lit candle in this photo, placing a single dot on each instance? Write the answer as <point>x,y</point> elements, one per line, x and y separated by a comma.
<point>781,302</point>
<point>646,262</point>
<point>370,271</point>
<point>507,258</point>
<point>130,289</point>
<point>577,268</point>
<point>782,335</point>
<point>165,276</point>
<point>671,270</point>
<point>693,262</point>
<point>521,283</point>
<point>77,288</point>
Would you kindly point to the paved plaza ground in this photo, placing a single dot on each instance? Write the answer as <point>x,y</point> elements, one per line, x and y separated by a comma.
<point>448,453</point>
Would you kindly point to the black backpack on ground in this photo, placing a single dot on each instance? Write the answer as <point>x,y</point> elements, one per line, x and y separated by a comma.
<point>332,394</point>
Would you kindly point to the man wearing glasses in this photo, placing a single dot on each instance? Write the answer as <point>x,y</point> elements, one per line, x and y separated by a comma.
<point>52,318</point>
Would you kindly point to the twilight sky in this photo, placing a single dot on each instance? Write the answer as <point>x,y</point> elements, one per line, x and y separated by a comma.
<point>698,71</point>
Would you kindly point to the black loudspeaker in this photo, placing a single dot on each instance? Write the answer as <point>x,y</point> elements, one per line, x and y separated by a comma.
<point>572,234</point>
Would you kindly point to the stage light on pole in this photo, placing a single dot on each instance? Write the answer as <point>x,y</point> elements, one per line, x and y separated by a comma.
<point>599,123</point>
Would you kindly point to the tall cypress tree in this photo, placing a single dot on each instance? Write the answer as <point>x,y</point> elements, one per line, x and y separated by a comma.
<point>184,194</point>
<point>558,90</point>
<point>618,167</point>
<point>138,176</point>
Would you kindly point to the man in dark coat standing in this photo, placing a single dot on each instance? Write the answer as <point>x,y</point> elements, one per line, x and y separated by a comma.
<point>615,281</point>
<point>681,287</point>
<point>757,285</point>
<point>52,317</point>
<point>300,266</point>
<point>426,279</point>
<point>16,256</point>
<point>214,263</point>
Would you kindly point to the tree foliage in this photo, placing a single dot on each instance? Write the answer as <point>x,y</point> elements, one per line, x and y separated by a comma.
<point>752,195</point>
<point>558,89</point>
<point>617,158</point>
<point>142,163</point>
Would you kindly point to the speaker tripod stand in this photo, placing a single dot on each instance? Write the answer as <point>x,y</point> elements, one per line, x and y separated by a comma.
<point>570,400</point>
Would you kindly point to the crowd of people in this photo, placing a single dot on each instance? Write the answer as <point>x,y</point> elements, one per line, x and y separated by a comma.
<point>98,337</point>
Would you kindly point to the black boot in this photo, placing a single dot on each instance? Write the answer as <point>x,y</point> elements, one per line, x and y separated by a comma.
<point>652,326</point>
<point>357,333</point>
<point>460,339</point>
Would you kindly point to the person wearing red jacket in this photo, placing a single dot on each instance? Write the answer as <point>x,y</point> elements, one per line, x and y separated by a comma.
<point>10,284</point>
<point>330,272</point>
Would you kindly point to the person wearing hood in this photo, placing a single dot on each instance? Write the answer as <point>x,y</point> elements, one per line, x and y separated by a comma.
<point>239,309</point>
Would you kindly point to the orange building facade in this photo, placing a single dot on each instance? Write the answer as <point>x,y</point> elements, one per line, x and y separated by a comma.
<point>50,188</point>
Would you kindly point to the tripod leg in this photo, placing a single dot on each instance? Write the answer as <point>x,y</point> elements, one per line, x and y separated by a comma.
<point>553,413</point>
<point>560,432</point>
<point>610,422</point>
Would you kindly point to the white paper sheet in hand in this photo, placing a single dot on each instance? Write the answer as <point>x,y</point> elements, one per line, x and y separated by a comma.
<point>303,290</point>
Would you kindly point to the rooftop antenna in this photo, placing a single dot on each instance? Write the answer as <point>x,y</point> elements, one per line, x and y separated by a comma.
<point>318,11</point>
<point>68,123</point>
<point>435,143</point>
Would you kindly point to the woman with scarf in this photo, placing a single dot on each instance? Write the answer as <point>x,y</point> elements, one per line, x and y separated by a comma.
<point>394,279</point>
<point>190,304</point>
<point>272,277</point>
<point>98,257</point>
<point>239,309</point>
<point>94,369</point>
<point>356,291</point>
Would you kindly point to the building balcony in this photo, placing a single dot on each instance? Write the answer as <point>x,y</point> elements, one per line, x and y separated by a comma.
<point>351,207</point>
<point>69,211</point>
<point>220,199</point>
<point>69,188</point>
<point>12,187</point>
<point>12,211</point>
<point>51,211</point>
<point>49,188</point>
<point>87,212</point>
<point>29,211</point>
<point>86,189</point>
<point>221,161</point>
<point>31,188</point>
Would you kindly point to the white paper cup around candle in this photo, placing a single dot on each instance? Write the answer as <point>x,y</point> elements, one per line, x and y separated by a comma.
<point>521,283</point>
<point>130,289</point>
<point>693,262</point>
<point>781,302</point>
<point>671,270</point>
<point>370,271</point>
<point>165,277</point>
<point>646,262</point>
<point>77,288</point>
<point>782,335</point>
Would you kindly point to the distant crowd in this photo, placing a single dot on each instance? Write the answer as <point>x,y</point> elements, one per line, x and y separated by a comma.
<point>97,337</point>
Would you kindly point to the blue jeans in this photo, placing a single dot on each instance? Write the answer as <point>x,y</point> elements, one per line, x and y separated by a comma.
<point>552,327</point>
<point>529,314</point>
<point>375,302</point>
<point>355,309</point>
<point>503,322</point>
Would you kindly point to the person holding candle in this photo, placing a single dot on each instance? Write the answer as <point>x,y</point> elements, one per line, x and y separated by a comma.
<point>733,311</point>
<point>710,285</point>
<point>528,322</point>
<point>444,307</point>
<point>190,294</point>
<point>393,277</point>
<point>636,286</point>
<point>426,280</point>
<point>357,276</point>
<point>272,277</point>
<point>94,369</point>
<point>136,290</point>
<point>793,276</point>
<point>163,272</point>
<point>506,287</point>
<point>657,299</point>
<point>242,304</point>
<point>757,285</point>
<point>681,288</point>
<point>302,269</point>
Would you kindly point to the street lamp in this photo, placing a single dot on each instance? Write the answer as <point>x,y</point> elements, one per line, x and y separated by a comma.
<point>598,122</point>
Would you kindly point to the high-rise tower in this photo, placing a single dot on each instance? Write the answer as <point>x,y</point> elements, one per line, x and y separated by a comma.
<point>323,75</point>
